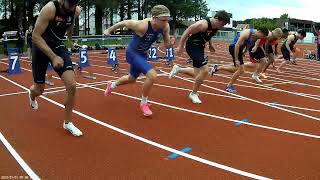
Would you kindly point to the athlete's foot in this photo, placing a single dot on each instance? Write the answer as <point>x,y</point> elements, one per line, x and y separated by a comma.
<point>145,108</point>
<point>231,89</point>
<point>256,78</point>
<point>175,70</point>
<point>195,98</point>
<point>214,69</point>
<point>108,89</point>
<point>33,103</point>
<point>264,75</point>
<point>72,129</point>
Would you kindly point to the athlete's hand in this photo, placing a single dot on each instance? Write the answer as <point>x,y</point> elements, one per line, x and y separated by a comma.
<point>78,11</point>
<point>291,54</point>
<point>212,50</point>
<point>57,62</point>
<point>178,51</point>
<point>107,33</point>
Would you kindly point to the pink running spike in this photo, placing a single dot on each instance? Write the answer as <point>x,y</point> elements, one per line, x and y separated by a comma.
<point>145,108</point>
<point>108,89</point>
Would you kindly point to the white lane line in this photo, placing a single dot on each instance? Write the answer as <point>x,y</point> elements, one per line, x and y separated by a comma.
<point>296,107</point>
<point>172,150</point>
<point>18,158</point>
<point>274,89</point>
<point>11,94</point>
<point>219,117</point>
<point>175,87</point>
<point>256,101</point>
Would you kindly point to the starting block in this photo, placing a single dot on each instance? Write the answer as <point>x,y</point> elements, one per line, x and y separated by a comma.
<point>153,54</point>
<point>84,62</point>
<point>112,59</point>
<point>170,56</point>
<point>14,64</point>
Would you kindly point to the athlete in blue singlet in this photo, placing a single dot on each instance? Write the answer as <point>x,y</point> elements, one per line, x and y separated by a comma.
<point>237,49</point>
<point>145,34</point>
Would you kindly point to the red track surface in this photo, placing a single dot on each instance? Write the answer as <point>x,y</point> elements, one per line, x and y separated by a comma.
<point>102,153</point>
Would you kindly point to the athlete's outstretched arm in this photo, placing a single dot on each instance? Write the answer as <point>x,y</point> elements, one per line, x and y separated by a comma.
<point>70,29</point>
<point>166,36</point>
<point>129,24</point>
<point>256,45</point>
<point>26,37</point>
<point>315,32</point>
<point>243,36</point>
<point>289,39</point>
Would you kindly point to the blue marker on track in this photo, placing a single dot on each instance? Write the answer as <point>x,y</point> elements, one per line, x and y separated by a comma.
<point>243,120</point>
<point>172,156</point>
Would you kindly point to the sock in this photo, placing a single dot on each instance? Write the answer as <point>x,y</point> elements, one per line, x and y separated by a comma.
<point>113,85</point>
<point>144,100</point>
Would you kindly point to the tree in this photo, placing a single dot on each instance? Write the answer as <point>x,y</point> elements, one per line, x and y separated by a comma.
<point>281,21</point>
<point>263,22</point>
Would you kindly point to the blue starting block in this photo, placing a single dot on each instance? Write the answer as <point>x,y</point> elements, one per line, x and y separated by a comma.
<point>112,59</point>
<point>153,54</point>
<point>170,56</point>
<point>13,58</point>
<point>84,62</point>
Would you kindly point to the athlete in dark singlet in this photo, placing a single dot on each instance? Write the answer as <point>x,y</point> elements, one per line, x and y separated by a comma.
<point>55,19</point>
<point>317,34</point>
<point>288,45</point>
<point>196,37</point>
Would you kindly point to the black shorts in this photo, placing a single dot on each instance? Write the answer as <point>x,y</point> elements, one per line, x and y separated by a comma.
<point>240,55</point>
<point>259,54</point>
<point>40,63</point>
<point>196,53</point>
<point>29,44</point>
<point>268,49</point>
<point>285,52</point>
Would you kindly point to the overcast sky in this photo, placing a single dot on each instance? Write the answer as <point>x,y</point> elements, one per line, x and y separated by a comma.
<point>241,10</point>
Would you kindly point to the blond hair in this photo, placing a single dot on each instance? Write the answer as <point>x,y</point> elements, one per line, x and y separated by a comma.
<point>277,33</point>
<point>159,11</point>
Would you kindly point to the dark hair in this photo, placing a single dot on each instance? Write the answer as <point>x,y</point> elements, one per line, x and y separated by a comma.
<point>73,1</point>
<point>264,30</point>
<point>302,32</point>
<point>222,15</point>
<point>284,31</point>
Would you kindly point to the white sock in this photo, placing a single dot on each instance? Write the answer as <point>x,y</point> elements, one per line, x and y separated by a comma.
<point>144,100</point>
<point>113,85</point>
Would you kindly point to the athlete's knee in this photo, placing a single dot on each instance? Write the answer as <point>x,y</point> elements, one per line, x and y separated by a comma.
<point>152,75</point>
<point>71,87</point>
<point>131,79</point>
<point>205,72</point>
<point>241,69</point>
